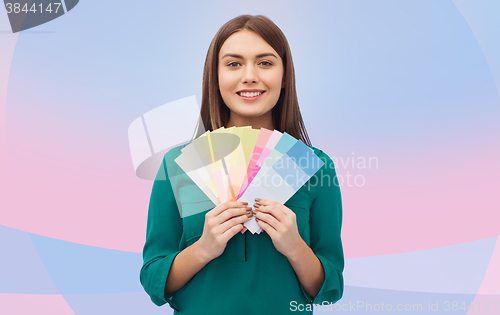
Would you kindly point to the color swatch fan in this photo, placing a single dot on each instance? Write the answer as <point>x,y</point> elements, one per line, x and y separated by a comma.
<point>241,164</point>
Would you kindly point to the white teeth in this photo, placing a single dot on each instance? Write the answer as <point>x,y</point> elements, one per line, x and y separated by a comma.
<point>250,94</point>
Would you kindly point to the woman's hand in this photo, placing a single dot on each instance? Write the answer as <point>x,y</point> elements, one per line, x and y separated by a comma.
<point>280,223</point>
<point>221,224</point>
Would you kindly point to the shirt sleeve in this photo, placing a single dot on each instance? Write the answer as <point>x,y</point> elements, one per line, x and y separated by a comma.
<point>325,226</point>
<point>163,233</point>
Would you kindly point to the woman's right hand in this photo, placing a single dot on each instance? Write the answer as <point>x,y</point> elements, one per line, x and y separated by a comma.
<point>221,224</point>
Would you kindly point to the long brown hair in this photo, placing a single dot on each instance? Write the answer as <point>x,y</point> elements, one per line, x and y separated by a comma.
<point>286,113</point>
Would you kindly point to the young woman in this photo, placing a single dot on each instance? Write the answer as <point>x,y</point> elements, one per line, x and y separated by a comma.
<point>202,264</point>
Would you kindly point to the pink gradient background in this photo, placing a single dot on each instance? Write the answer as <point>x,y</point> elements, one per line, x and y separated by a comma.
<point>55,171</point>
<point>68,175</point>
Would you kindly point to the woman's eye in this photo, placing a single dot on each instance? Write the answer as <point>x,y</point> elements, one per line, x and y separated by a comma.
<point>266,63</point>
<point>233,64</point>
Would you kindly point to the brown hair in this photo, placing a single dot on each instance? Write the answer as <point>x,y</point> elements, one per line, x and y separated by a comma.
<point>286,113</point>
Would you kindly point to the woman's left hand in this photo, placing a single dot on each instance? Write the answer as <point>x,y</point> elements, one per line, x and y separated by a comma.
<point>280,223</point>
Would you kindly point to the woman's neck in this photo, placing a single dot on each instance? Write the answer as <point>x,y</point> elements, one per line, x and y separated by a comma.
<point>255,122</point>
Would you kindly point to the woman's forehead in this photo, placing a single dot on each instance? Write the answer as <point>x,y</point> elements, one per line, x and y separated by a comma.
<point>246,43</point>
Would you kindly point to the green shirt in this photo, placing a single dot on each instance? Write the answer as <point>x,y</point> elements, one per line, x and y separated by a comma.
<point>251,276</point>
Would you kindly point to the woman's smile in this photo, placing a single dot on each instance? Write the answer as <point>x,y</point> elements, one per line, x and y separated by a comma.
<point>250,95</point>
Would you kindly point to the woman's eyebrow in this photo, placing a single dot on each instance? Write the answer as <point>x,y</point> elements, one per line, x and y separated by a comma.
<point>241,57</point>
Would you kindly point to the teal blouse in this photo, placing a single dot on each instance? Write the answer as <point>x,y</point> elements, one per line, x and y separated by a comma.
<point>251,276</point>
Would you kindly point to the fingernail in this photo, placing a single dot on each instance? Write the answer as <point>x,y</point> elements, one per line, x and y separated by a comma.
<point>248,208</point>
<point>254,211</point>
<point>256,219</point>
<point>250,214</point>
<point>257,199</point>
<point>245,203</point>
<point>256,205</point>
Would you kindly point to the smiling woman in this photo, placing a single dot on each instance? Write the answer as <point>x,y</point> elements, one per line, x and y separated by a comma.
<point>202,264</point>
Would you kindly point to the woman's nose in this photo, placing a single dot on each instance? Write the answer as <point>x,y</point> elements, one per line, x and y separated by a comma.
<point>250,75</point>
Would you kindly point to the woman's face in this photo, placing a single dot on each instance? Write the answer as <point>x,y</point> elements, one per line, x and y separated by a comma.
<point>250,77</point>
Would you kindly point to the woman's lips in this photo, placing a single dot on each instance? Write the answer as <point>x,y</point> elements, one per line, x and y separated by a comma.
<point>253,98</point>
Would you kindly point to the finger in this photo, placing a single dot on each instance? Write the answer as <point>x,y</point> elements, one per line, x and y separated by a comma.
<point>244,229</point>
<point>267,202</point>
<point>224,206</point>
<point>262,201</point>
<point>233,212</point>
<point>267,228</point>
<point>226,215</point>
<point>269,219</point>
<point>227,235</point>
<point>272,208</point>
<point>232,222</point>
